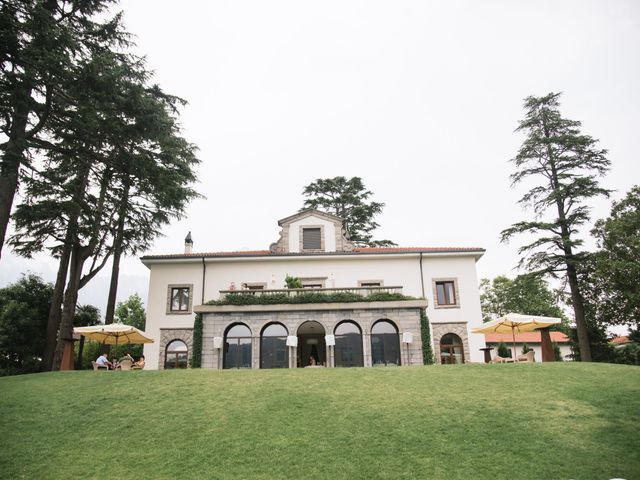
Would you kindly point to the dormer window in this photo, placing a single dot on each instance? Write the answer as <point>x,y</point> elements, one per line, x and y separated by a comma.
<point>312,239</point>
<point>311,231</point>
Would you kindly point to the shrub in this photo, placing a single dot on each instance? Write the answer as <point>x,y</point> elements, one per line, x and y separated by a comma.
<point>196,357</point>
<point>425,333</point>
<point>292,282</point>
<point>557,354</point>
<point>628,354</point>
<point>525,349</point>
<point>503,350</point>
<point>247,298</point>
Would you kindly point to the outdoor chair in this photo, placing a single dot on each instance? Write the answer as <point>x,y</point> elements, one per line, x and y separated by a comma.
<point>527,357</point>
<point>99,367</point>
<point>499,359</point>
<point>125,364</point>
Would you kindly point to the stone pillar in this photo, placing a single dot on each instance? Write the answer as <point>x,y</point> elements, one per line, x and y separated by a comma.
<point>255,352</point>
<point>217,358</point>
<point>546,347</point>
<point>366,353</point>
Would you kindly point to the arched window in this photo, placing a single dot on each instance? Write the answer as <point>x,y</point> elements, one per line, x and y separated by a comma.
<point>385,344</point>
<point>176,355</point>
<point>273,347</point>
<point>451,349</point>
<point>237,347</point>
<point>348,349</point>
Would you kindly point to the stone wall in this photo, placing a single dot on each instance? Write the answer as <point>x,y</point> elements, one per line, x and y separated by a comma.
<point>167,335</point>
<point>406,320</point>
<point>438,330</point>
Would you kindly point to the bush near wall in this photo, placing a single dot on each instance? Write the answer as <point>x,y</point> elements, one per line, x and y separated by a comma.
<point>628,354</point>
<point>503,350</point>
<point>304,297</point>
<point>196,358</point>
<point>425,333</point>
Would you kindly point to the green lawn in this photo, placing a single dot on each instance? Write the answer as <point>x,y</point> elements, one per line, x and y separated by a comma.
<point>543,421</point>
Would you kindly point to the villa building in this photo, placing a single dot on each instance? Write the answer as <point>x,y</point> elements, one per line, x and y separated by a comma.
<point>381,330</point>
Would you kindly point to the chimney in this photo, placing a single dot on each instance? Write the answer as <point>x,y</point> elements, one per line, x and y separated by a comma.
<point>188,243</point>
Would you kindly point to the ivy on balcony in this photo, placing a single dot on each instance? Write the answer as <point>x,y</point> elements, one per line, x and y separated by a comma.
<point>244,297</point>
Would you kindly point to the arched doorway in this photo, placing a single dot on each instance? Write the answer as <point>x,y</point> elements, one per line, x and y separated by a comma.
<point>176,355</point>
<point>312,349</point>
<point>348,348</point>
<point>237,346</point>
<point>385,344</point>
<point>273,346</point>
<point>451,349</point>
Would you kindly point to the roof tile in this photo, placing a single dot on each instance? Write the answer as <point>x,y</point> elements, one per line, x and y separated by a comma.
<point>527,337</point>
<point>363,250</point>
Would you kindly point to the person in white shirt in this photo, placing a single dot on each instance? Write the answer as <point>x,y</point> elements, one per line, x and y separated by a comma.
<point>103,360</point>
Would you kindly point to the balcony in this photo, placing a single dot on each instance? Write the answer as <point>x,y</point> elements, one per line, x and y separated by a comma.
<point>293,292</point>
<point>303,299</point>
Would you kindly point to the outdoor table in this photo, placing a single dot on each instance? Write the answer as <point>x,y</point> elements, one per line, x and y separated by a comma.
<point>487,354</point>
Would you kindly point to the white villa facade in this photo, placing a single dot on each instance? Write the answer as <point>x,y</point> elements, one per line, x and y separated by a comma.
<point>312,247</point>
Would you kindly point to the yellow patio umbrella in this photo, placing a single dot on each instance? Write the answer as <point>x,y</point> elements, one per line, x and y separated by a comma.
<point>113,334</point>
<point>516,323</point>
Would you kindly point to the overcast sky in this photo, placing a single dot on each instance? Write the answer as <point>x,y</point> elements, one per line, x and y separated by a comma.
<point>420,99</point>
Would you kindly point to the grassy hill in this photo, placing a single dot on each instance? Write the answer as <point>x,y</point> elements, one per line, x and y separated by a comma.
<point>544,421</point>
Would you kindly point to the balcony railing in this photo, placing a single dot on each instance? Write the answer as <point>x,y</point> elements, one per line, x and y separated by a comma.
<point>291,292</point>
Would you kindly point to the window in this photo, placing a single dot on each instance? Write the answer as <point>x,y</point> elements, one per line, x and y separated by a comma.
<point>370,283</point>
<point>237,347</point>
<point>273,347</point>
<point>451,349</point>
<point>176,355</point>
<point>311,238</point>
<point>316,282</point>
<point>445,292</point>
<point>348,348</point>
<point>385,344</point>
<point>179,298</point>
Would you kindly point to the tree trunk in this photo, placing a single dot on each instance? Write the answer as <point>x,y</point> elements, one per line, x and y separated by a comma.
<point>117,253</point>
<point>113,287</point>
<point>55,311</point>
<point>578,310</point>
<point>79,255</point>
<point>13,156</point>
<point>569,259</point>
<point>65,333</point>
<point>16,146</point>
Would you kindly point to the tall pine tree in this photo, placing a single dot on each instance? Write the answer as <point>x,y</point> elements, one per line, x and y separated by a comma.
<point>349,199</point>
<point>563,165</point>
<point>41,43</point>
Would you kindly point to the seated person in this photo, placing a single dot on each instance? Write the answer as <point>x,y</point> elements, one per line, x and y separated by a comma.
<point>126,356</point>
<point>104,361</point>
<point>139,363</point>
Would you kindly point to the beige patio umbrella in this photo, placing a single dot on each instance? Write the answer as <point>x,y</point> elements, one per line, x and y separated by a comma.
<point>516,323</point>
<point>113,334</point>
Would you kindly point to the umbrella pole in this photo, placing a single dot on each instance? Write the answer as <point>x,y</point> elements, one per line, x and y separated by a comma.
<point>515,355</point>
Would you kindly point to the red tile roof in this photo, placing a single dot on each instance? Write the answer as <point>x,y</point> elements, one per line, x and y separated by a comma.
<point>528,337</point>
<point>416,249</point>
<point>620,340</point>
<point>356,251</point>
